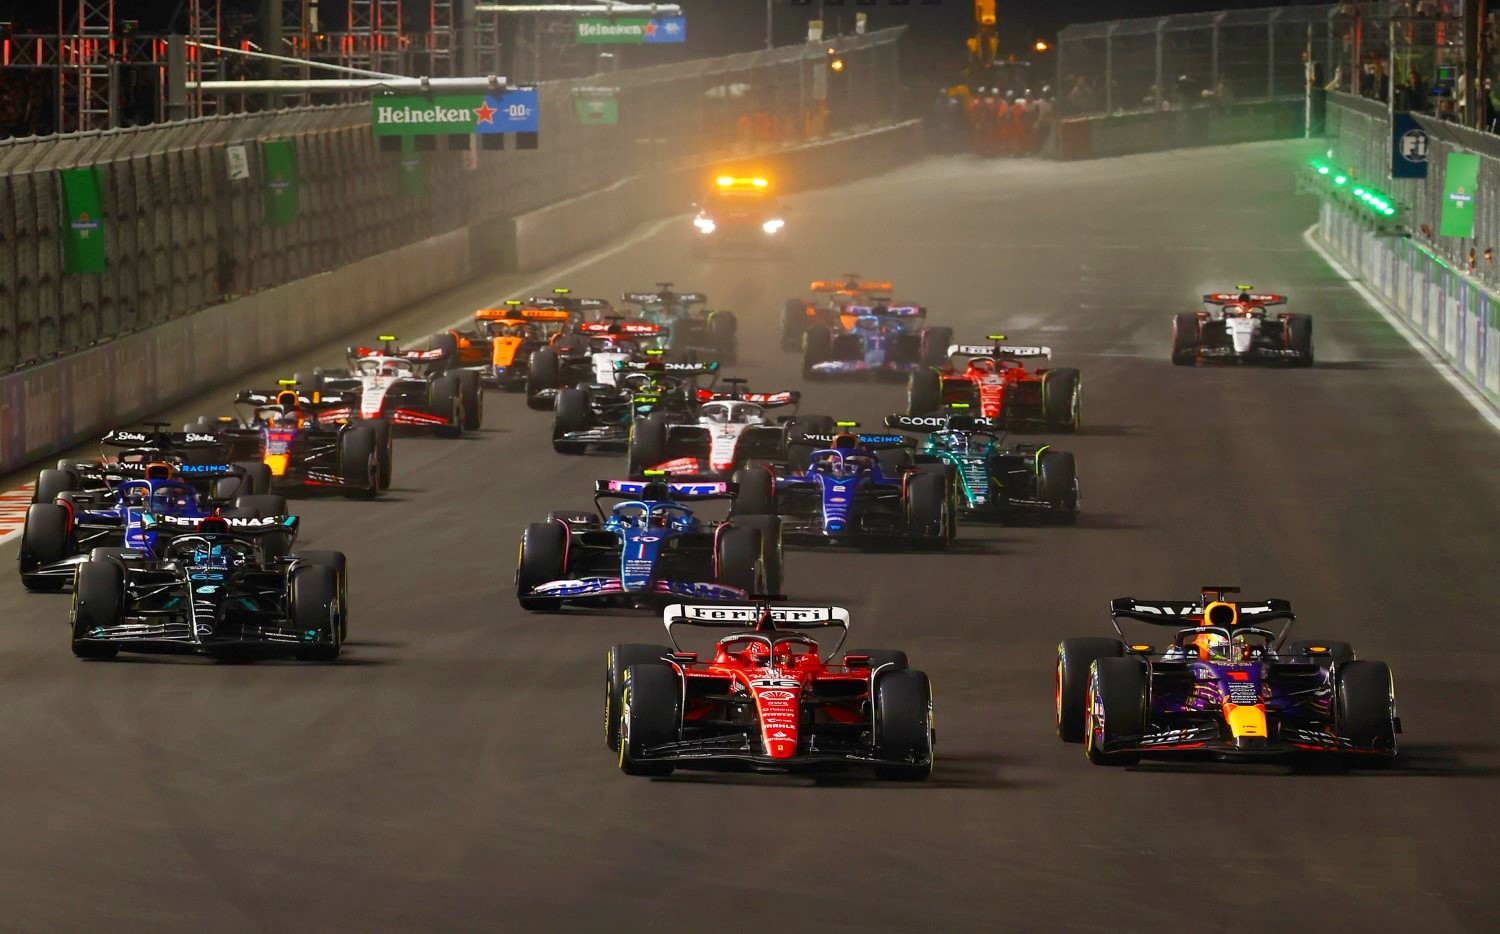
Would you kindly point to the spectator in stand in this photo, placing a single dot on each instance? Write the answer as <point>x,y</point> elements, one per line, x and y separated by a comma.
<point>1413,94</point>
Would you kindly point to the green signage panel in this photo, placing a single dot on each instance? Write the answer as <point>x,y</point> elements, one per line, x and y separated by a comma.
<point>83,221</point>
<point>596,111</point>
<point>1460,187</point>
<point>279,158</point>
<point>630,30</point>
<point>511,111</point>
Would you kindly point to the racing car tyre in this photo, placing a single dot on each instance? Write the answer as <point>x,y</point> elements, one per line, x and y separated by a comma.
<point>255,481</point>
<point>544,558</point>
<point>447,344</point>
<point>1335,649</point>
<point>49,483</point>
<point>309,382</point>
<point>340,564</point>
<point>739,561</point>
<point>1057,484</point>
<point>446,398</point>
<point>1062,403</point>
<point>935,344</point>
<point>1185,339</point>
<point>771,560</point>
<point>725,328</point>
<point>98,602</point>
<point>570,414</point>
<point>473,398</point>
<point>620,658</point>
<point>927,510</point>
<point>358,466</point>
<point>1299,338</point>
<point>313,602</point>
<point>793,323</point>
<point>1365,704</point>
<point>757,493</point>
<point>258,506</point>
<point>44,539</point>
<point>650,715</point>
<point>385,447</point>
<point>903,725</point>
<point>1070,682</point>
<point>647,446</point>
<point>924,392</point>
<point>541,373</point>
<point>879,657</point>
<point>817,346</point>
<point>1119,686</point>
<point>952,484</point>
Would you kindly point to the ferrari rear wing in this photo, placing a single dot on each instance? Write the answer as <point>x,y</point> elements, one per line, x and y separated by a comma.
<point>730,616</point>
<point>997,350</point>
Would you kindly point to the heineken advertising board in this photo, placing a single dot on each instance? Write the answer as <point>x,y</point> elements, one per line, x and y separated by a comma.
<point>513,111</point>
<point>1461,184</point>
<point>630,30</point>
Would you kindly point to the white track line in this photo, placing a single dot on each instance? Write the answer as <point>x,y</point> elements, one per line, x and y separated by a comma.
<point>13,503</point>
<point>1445,369</point>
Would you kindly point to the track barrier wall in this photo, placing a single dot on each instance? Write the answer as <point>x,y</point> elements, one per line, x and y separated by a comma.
<point>51,406</point>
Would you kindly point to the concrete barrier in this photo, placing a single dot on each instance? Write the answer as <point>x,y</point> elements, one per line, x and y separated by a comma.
<point>1154,131</point>
<point>53,406</point>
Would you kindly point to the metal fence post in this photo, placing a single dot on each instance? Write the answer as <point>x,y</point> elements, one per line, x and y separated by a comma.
<point>1271,53</point>
<point>1109,69</point>
<point>1156,92</point>
<point>1213,56</point>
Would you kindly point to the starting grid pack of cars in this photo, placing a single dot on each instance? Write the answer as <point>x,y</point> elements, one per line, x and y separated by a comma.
<point>183,540</point>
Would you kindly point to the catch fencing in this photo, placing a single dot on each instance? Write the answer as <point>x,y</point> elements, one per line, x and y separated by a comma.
<point>181,234</point>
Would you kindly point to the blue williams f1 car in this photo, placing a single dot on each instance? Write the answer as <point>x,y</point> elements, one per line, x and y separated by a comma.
<point>646,548</point>
<point>1225,686</point>
<point>857,489</point>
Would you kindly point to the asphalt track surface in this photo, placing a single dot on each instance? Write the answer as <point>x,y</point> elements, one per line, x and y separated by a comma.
<point>448,773</point>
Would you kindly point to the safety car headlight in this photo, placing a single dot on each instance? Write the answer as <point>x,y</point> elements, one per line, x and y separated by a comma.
<point>771,226</point>
<point>704,224</point>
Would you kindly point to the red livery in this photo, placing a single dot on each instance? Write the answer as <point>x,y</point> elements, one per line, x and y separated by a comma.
<point>996,385</point>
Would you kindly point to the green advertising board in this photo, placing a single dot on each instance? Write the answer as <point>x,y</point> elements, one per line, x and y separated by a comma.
<point>83,221</point>
<point>511,111</point>
<point>596,110</point>
<point>629,30</point>
<point>279,159</point>
<point>1460,186</point>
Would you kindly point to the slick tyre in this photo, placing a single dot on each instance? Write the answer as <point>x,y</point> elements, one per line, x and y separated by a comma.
<point>724,328</point>
<point>258,506</point>
<point>924,392</point>
<point>1057,484</point>
<point>447,345</point>
<point>98,603</point>
<point>882,657</point>
<point>817,346</point>
<point>737,559</point>
<point>385,447</point>
<point>51,482</point>
<point>935,344</point>
<point>359,467</point>
<point>1070,681</point>
<point>542,372</point>
<point>619,660</point>
<point>927,511</point>
<point>313,602</point>
<point>569,414</point>
<point>472,391</point>
<point>903,725</point>
<point>544,552</point>
<point>445,397</point>
<point>757,492</point>
<point>1365,705</point>
<point>307,383</point>
<point>793,323</point>
<point>340,564</point>
<point>1115,707</point>
<point>650,715</point>
<point>256,478</point>
<point>771,561</point>
<point>1185,338</point>
<point>1299,337</point>
<point>647,446</point>
<point>1062,399</point>
<point>45,539</point>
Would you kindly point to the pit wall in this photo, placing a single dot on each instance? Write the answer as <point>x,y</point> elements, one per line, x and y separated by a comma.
<point>51,407</point>
<point>1456,316</point>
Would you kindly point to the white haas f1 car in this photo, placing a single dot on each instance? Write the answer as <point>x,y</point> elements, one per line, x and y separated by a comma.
<point>1236,328</point>
<point>414,388</point>
<point>732,430</point>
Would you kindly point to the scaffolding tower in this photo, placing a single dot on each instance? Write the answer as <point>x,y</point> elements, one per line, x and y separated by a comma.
<point>204,64</point>
<point>374,39</point>
<point>86,96</point>
<point>440,44</point>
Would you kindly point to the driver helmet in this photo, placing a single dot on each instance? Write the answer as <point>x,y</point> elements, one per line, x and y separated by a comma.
<point>389,369</point>
<point>1211,646</point>
<point>867,323</point>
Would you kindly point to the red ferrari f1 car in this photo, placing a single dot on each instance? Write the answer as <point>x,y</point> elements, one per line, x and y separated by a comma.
<point>996,385</point>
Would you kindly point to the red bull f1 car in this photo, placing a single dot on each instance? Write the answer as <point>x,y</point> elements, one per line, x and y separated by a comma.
<point>1227,684</point>
<point>767,697</point>
<point>1235,327</point>
<point>996,385</point>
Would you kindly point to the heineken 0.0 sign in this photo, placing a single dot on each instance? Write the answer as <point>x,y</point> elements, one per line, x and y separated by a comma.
<point>629,30</point>
<point>513,111</point>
